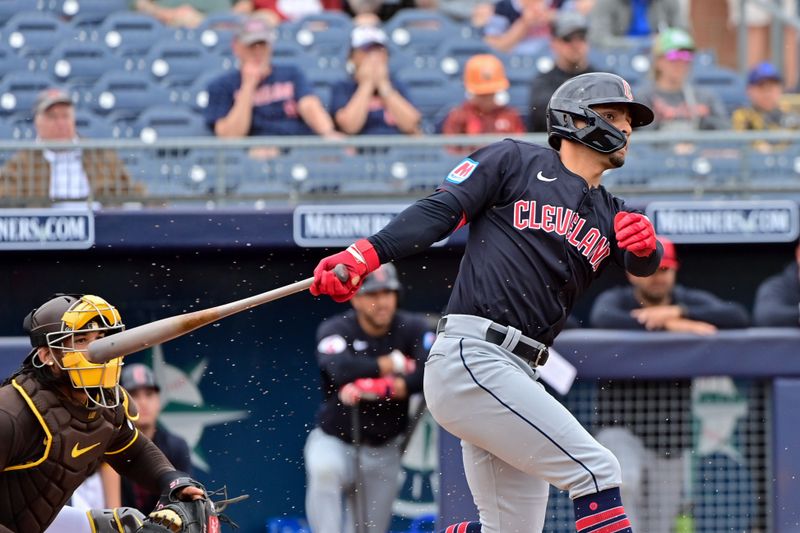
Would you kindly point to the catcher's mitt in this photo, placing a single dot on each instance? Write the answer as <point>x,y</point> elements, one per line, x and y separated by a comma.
<point>198,516</point>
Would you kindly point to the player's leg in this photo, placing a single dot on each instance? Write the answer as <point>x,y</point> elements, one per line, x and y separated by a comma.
<point>493,403</point>
<point>329,473</point>
<point>380,469</point>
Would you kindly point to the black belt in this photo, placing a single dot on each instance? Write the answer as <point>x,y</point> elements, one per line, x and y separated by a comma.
<point>532,351</point>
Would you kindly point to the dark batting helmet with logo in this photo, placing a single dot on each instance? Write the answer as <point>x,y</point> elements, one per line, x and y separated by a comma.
<point>574,100</point>
<point>383,279</point>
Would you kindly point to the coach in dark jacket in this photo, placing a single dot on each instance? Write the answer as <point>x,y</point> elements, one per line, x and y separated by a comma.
<point>657,303</point>
<point>778,298</point>
<point>571,55</point>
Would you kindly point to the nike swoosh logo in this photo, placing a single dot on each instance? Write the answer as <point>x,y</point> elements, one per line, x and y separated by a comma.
<point>542,177</point>
<point>77,452</point>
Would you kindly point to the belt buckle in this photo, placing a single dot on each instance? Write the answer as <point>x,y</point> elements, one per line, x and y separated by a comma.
<point>543,354</point>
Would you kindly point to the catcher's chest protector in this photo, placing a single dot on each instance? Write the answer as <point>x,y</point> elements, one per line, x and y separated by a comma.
<point>76,438</point>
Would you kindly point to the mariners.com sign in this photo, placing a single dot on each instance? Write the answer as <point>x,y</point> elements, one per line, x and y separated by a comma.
<point>44,229</point>
<point>726,221</point>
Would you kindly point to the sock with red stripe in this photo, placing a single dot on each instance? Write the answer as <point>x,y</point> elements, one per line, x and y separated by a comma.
<point>463,527</point>
<point>601,513</point>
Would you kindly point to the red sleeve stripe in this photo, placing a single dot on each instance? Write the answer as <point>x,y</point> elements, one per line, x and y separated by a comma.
<point>592,520</point>
<point>461,223</point>
<point>619,525</point>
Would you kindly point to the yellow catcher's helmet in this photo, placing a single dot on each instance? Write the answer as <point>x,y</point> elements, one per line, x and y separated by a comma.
<point>63,324</point>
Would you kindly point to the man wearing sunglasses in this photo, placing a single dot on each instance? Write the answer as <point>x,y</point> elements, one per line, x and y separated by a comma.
<point>571,54</point>
<point>678,104</point>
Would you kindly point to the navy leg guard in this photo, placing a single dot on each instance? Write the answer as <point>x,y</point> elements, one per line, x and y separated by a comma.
<point>601,512</point>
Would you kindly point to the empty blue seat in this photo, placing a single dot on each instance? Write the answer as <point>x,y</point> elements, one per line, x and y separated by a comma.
<point>196,94</point>
<point>131,33</point>
<point>327,32</point>
<point>421,30</point>
<point>87,10</point>
<point>35,33</point>
<point>22,127</point>
<point>93,126</point>
<point>9,8</point>
<point>79,63</point>
<point>169,121</point>
<point>125,94</point>
<point>728,84</point>
<point>180,63</point>
<point>11,62</point>
<point>429,90</point>
<point>18,91</point>
<point>216,31</point>
<point>454,53</point>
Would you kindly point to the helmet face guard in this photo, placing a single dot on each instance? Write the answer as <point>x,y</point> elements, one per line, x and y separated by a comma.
<point>575,98</point>
<point>81,316</point>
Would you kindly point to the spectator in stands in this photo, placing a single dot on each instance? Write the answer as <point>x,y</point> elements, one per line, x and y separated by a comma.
<point>183,13</point>
<point>519,26</point>
<point>778,297</point>
<point>677,103</point>
<point>615,20</point>
<point>34,176</point>
<point>377,11</point>
<point>571,54</point>
<point>484,78</point>
<point>657,303</point>
<point>141,384</point>
<point>372,101</point>
<point>765,90</point>
<point>277,11</point>
<point>261,98</point>
<point>759,21</point>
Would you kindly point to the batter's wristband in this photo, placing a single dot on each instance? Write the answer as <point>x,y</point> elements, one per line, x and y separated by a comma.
<point>369,254</point>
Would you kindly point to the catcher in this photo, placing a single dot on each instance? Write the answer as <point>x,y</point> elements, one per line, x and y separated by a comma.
<point>61,415</point>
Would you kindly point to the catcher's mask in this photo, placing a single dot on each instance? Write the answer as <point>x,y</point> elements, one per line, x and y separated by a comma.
<point>61,325</point>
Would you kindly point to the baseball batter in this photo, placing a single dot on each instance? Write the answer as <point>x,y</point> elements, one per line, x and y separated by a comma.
<point>371,359</point>
<point>542,228</point>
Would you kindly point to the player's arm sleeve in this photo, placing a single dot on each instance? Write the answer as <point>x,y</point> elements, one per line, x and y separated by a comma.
<point>475,184</point>
<point>336,358</point>
<point>611,312</point>
<point>774,306</point>
<point>416,228</point>
<point>142,462</point>
<point>704,306</point>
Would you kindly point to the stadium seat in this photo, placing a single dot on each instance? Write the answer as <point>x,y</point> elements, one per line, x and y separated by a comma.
<point>130,34</point>
<point>216,32</point>
<point>18,91</point>
<point>93,126</point>
<point>11,62</point>
<point>287,52</point>
<point>421,30</point>
<point>453,54</point>
<point>728,84</point>
<point>9,8</point>
<point>88,10</point>
<point>35,33</point>
<point>168,121</point>
<point>196,94</point>
<point>429,90</point>
<point>180,63</point>
<point>327,32</point>
<point>125,94</point>
<point>79,63</point>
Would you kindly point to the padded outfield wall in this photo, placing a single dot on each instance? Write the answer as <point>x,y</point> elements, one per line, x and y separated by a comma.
<point>245,390</point>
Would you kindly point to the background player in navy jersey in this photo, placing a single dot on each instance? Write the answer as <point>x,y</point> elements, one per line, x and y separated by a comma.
<point>542,228</point>
<point>371,361</point>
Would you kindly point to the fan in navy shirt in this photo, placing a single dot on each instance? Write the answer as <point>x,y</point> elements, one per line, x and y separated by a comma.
<point>372,102</point>
<point>262,98</point>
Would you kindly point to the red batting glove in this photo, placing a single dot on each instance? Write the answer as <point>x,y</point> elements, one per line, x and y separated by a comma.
<point>635,233</point>
<point>359,258</point>
<point>366,389</point>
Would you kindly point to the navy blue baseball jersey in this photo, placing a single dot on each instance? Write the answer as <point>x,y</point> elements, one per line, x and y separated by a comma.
<point>345,353</point>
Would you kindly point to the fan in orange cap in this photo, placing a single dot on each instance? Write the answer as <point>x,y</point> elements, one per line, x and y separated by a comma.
<point>485,110</point>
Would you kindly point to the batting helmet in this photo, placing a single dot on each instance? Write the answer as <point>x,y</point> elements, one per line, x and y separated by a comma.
<point>57,323</point>
<point>575,98</point>
<point>383,279</point>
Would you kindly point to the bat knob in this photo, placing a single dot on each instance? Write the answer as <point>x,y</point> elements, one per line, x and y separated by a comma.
<point>341,272</point>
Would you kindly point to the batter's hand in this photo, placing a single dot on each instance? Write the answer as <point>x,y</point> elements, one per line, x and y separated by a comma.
<point>635,233</point>
<point>370,389</point>
<point>359,259</point>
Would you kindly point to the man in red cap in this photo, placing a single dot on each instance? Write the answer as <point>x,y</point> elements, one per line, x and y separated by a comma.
<point>658,303</point>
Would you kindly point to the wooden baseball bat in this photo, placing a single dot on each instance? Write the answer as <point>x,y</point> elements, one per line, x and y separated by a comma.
<point>147,335</point>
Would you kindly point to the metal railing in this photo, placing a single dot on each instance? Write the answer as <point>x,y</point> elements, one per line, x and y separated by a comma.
<point>289,170</point>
